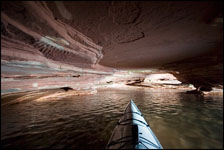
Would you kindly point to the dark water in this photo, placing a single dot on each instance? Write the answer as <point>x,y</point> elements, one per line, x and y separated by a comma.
<point>178,120</point>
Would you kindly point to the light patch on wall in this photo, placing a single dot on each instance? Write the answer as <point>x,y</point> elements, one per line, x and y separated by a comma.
<point>35,84</point>
<point>57,40</point>
<point>191,86</point>
<point>165,78</point>
<point>50,87</point>
<point>63,41</point>
<point>25,64</point>
<point>49,42</point>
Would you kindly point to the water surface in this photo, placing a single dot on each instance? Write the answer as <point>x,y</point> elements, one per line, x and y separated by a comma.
<point>178,120</point>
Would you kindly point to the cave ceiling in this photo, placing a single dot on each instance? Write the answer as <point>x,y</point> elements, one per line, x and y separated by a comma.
<point>106,35</point>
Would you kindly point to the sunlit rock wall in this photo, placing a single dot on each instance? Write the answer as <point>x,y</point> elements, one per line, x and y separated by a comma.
<point>162,79</point>
<point>38,51</point>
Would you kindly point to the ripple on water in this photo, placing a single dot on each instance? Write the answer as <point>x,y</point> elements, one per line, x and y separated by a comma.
<point>178,120</point>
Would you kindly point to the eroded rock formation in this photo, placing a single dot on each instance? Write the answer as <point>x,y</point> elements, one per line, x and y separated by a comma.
<point>83,44</point>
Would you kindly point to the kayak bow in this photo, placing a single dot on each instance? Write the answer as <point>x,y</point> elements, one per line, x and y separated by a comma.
<point>133,132</point>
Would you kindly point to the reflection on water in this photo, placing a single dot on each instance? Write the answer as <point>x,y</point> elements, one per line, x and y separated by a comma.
<point>178,120</point>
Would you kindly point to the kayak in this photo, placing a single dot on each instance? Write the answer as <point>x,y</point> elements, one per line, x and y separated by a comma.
<point>133,132</point>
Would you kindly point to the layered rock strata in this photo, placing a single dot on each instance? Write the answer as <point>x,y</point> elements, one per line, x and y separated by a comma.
<point>81,44</point>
